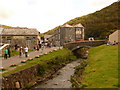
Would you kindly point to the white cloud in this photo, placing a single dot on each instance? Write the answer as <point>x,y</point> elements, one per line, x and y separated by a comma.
<point>102,2</point>
<point>5,14</point>
<point>46,14</point>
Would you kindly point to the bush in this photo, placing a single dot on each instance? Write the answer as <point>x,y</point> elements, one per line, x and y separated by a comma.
<point>13,65</point>
<point>72,58</point>
<point>41,70</point>
<point>3,69</point>
<point>23,61</point>
<point>81,66</point>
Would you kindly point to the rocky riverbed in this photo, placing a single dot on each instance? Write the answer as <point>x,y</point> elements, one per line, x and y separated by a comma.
<point>61,78</point>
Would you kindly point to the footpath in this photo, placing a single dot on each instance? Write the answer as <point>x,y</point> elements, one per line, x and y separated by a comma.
<point>5,63</point>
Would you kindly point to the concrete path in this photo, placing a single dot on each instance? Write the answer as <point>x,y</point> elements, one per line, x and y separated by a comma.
<point>5,63</point>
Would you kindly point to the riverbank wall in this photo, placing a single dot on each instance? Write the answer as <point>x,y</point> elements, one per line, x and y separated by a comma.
<point>37,73</point>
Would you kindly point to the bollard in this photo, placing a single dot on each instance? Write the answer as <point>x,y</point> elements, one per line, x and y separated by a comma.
<point>17,84</point>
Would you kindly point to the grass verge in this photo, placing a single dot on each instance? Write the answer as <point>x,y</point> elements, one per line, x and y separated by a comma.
<point>102,68</point>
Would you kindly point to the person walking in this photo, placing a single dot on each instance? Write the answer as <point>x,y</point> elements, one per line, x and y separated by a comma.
<point>42,47</point>
<point>35,47</point>
<point>16,46</point>
<point>9,52</point>
<point>6,53</point>
<point>20,51</point>
<point>38,47</point>
<point>26,51</point>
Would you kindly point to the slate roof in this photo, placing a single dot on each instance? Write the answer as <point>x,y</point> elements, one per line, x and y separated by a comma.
<point>78,25</point>
<point>47,36</point>
<point>19,31</point>
<point>67,25</point>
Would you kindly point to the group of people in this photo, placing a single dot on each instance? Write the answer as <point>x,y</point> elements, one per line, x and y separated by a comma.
<point>110,43</point>
<point>40,46</point>
<point>21,50</point>
<point>48,44</point>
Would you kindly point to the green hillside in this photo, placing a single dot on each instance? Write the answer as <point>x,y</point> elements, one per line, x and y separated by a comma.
<point>98,24</point>
<point>5,26</point>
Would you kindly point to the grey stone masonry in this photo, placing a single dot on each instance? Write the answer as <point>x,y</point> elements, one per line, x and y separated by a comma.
<point>67,33</point>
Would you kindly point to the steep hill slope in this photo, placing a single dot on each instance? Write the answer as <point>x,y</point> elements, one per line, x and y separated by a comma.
<point>5,26</point>
<point>98,24</point>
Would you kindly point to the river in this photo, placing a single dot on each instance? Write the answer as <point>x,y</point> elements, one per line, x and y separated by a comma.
<point>62,77</point>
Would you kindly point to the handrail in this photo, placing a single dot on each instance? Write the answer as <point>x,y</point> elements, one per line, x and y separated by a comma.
<point>4,46</point>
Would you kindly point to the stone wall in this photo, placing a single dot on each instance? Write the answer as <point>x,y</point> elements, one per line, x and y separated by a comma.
<point>75,45</point>
<point>36,73</point>
<point>23,41</point>
<point>21,78</point>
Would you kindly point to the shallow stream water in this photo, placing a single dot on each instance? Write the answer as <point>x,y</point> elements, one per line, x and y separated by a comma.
<point>62,77</point>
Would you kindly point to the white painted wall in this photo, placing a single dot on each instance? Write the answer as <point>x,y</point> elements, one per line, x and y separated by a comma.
<point>115,36</point>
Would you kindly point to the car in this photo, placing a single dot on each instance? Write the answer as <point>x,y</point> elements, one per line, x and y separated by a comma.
<point>91,39</point>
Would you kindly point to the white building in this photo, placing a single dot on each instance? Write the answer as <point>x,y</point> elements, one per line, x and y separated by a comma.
<point>115,36</point>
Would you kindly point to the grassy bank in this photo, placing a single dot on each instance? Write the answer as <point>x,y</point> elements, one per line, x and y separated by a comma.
<point>46,61</point>
<point>102,68</point>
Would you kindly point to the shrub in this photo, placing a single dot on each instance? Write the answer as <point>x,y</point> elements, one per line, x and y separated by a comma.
<point>13,65</point>
<point>42,70</point>
<point>3,69</point>
<point>23,61</point>
<point>81,66</point>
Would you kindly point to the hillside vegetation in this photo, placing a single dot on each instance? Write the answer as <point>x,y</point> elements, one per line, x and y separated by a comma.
<point>10,27</point>
<point>98,24</point>
<point>5,26</point>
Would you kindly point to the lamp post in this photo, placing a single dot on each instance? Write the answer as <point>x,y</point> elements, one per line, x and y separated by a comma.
<point>1,35</point>
<point>1,39</point>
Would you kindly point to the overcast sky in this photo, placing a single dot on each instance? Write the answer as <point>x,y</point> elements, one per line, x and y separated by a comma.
<point>46,14</point>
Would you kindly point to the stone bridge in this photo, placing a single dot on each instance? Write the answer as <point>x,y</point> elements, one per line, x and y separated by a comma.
<point>75,45</point>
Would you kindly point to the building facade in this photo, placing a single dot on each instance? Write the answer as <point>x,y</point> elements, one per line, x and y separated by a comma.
<point>21,36</point>
<point>46,37</point>
<point>66,34</point>
<point>115,36</point>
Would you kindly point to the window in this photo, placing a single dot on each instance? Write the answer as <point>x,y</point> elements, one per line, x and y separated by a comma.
<point>3,37</point>
<point>27,37</point>
<point>33,37</point>
<point>9,41</point>
<point>9,38</point>
<point>78,32</point>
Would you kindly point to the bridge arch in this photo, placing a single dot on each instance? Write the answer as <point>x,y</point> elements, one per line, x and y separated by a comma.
<point>74,45</point>
<point>79,47</point>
